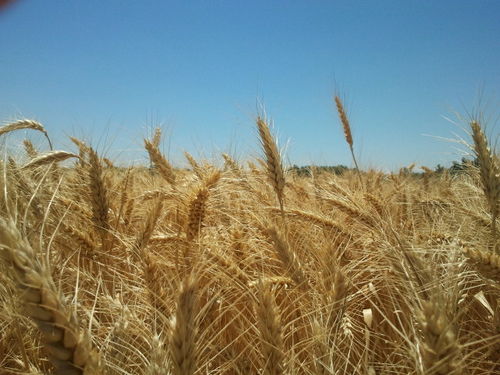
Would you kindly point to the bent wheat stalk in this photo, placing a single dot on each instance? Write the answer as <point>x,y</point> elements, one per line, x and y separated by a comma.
<point>25,124</point>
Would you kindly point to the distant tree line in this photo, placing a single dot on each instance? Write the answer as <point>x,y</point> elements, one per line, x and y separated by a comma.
<point>455,168</point>
<point>458,166</point>
<point>308,170</point>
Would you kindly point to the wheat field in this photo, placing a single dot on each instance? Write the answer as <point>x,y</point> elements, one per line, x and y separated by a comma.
<point>245,268</point>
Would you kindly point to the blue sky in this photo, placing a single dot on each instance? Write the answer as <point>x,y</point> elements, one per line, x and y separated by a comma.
<point>110,70</point>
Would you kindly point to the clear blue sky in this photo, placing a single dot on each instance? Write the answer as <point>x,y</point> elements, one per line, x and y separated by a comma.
<point>110,70</point>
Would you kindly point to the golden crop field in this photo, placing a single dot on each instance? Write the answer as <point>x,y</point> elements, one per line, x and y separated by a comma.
<point>249,268</point>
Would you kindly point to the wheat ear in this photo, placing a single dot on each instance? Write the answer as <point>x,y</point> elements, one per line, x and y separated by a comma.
<point>30,149</point>
<point>49,157</point>
<point>231,164</point>
<point>312,218</point>
<point>24,185</point>
<point>83,150</point>
<point>198,171</point>
<point>68,349</point>
<point>336,289</point>
<point>98,195</point>
<point>352,212</point>
<point>152,270</point>
<point>269,323</point>
<point>427,173</point>
<point>196,213</point>
<point>287,256</point>
<point>182,340</point>
<point>347,130</point>
<point>376,203</point>
<point>25,124</point>
<point>322,350</point>
<point>81,239</point>
<point>157,158</point>
<point>228,266</point>
<point>273,161</point>
<point>487,262</point>
<point>147,230</point>
<point>197,206</point>
<point>440,352</point>
<point>490,175</point>
<point>157,360</point>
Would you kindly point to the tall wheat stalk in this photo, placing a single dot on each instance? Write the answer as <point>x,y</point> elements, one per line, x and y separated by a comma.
<point>273,161</point>
<point>489,170</point>
<point>347,131</point>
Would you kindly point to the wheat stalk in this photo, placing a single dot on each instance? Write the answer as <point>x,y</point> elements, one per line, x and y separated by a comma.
<point>109,163</point>
<point>156,139</point>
